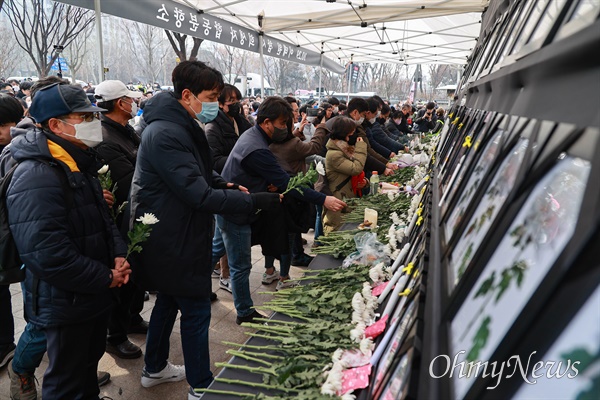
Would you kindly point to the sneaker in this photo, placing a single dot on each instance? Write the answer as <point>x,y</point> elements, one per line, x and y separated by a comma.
<point>225,284</point>
<point>249,318</point>
<point>170,373</point>
<point>7,354</point>
<point>285,284</point>
<point>268,279</point>
<point>22,386</point>
<point>193,395</point>
<point>216,273</point>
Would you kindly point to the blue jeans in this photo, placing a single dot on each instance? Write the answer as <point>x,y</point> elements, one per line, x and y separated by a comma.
<point>237,240</point>
<point>195,321</point>
<point>319,222</point>
<point>30,350</point>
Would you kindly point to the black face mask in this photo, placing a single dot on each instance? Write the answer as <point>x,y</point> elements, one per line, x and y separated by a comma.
<point>352,140</point>
<point>234,109</point>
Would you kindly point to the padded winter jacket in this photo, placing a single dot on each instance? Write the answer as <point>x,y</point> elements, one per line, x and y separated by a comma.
<point>67,241</point>
<point>174,179</point>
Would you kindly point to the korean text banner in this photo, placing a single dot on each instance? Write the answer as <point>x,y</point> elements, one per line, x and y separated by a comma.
<point>180,18</point>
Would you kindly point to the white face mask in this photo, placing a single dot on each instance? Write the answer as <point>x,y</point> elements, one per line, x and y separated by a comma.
<point>89,133</point>
<point>372,120</point>
<point>378,114</point>
<point>134,109</point>
<point>335,109</point>
<point>360,121</point>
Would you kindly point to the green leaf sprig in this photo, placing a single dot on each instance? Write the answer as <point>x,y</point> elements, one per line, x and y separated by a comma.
<point>302,181</point>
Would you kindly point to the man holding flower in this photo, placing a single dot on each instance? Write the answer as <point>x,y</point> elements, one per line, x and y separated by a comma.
<point>174,179</point>
<point>67,241</point>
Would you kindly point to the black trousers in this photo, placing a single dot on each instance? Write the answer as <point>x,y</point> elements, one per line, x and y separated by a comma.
<point>73,354</point>
<point>128,302</point>
<point>7,323</point>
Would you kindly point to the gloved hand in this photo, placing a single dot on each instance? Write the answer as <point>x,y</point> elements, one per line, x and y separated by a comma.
<point>227,185</point>
<point>265,201</point>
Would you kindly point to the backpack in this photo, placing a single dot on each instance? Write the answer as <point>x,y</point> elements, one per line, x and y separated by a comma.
<point>12,269</point>
<point>322,185</point>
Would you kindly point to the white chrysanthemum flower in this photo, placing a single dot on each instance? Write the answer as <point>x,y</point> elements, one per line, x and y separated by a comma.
<point>103,170</point>
<point>337,355</point>
<point>376,273</point>
<point>395,218</point>
<point>387,250</point>
<point>367,290</point>
<point>358,303</point>
<point>391,196</point>
<point>148,219</point>
<point>358,333</point>
<point>366,345</point>
<point>328,389</point>
<point>391,235</point>
<point>348,396</point>
<point>320,168</point>
<point>357,317</point>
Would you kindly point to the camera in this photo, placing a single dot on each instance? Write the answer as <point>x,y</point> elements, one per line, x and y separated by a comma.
<point>311,112</point>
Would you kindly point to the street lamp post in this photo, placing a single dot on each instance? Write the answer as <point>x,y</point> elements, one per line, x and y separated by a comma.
<point>58,48</point>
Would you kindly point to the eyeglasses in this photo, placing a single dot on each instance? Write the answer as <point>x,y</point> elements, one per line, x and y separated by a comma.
<point>84,117</point>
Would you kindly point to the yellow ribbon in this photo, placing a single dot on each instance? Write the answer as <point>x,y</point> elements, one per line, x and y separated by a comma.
<point>467,142</point>
<point>423,189</point>
<point>427,178</point>
<point>455,121</point>
<point>450,115</point>
<point>408,268</point>
<point>416,274</point>
<point>419,221</point>
<point>405,293</point>
<point>460,125</point>
<point>420,211</point>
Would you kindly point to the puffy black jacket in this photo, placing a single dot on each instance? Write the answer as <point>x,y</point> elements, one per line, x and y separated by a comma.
<point>69,249</point>
<point>222,137</point>
<point>119,150</point>
<point>174,179</point>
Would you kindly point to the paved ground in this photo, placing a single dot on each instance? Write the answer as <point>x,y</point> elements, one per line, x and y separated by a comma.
<point>125,374</point>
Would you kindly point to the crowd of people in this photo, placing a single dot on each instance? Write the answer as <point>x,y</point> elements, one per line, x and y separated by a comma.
<point>211,166</point>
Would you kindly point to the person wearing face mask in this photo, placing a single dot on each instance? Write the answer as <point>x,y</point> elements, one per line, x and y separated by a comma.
<point>119,150</point>
<point>342,162</point>
<point>72,250</point>
<point>377,131</point>
<point>252,164</point>
<point>175,180</point>
<point>222,133</point>
<point>226,128</point>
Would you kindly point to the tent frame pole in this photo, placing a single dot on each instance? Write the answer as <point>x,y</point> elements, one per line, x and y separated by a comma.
<point>262,67</point>
<point>320,74</point>
<point>99,33</point>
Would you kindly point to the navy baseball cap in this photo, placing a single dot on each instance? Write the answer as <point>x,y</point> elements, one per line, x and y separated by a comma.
<point>56,100</point>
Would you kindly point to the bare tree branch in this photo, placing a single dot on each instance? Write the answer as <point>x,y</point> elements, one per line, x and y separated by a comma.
<point>38,25</point>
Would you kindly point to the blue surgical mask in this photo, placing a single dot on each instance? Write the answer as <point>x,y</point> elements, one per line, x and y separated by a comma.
<point>209,111</point>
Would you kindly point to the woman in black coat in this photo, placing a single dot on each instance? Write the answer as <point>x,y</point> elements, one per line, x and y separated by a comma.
<point>224,131</point>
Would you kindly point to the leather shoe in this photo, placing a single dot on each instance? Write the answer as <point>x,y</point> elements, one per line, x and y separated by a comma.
<point>141,328</point>
<point>125,350</point>
<point>213,296</point>
<point>303,261</point>
<point>103,378</point>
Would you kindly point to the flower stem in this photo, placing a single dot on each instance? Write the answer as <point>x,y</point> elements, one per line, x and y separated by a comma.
<point>254,384</point>
<point>254,370</point>
<point>245,356</point>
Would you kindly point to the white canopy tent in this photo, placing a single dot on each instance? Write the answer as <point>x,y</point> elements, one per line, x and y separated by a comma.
<point>391,31</point>
<point>329,33</point>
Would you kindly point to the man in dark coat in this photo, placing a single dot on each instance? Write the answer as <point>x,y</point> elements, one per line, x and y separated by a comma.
<point>174,179</point>
<point>119,151</point>
<point>67,241</point>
